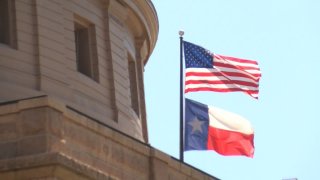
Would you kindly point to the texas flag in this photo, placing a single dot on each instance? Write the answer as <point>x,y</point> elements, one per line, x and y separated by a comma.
<point>211,128</point>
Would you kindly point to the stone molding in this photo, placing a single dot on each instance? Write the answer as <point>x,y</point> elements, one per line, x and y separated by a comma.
<point>56,137</point>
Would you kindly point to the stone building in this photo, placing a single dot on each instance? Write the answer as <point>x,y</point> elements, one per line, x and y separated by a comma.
<point>72,100</point>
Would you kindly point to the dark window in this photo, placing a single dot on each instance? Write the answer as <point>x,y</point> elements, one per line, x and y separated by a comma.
<point>133,86</point>
<point>86,56</point>
<point>7,22</point>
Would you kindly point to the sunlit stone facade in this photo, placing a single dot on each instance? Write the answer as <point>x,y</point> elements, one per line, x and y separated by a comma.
<point>72,91</point>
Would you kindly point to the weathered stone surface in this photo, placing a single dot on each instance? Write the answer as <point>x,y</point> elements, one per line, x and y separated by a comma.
<point>49,166</point>
<point>41,58</point>
<point>58,145</point>
<point>59,123</point>
<point>8,149</point>
<point>33,121</point>
<point>8,127</point>
<point>32,145</point>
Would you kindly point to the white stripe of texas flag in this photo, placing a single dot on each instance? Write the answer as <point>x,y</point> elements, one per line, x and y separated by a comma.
<point>222,119</point>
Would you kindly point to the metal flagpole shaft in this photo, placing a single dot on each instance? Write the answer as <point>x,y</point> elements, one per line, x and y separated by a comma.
<point>181,33</point>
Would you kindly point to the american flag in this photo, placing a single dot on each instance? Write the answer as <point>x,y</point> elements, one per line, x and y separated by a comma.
<point>206,71</point>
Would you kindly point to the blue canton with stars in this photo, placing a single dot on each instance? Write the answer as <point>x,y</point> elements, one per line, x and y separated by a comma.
<point>196,56</point>
<point>196,125</point>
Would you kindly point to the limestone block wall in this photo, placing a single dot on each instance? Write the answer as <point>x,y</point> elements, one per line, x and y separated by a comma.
<point>41,138</point>
<point>43,59</point>
<point>63,117</point>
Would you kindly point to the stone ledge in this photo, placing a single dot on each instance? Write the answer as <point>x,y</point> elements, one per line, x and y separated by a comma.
<point>117,153</point>
<point>78,118</point>
<point>49,159</point>
<point>30,103</point>
<point>160,155</point>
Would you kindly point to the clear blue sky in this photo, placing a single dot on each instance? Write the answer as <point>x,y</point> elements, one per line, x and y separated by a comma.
<point>284,37</point>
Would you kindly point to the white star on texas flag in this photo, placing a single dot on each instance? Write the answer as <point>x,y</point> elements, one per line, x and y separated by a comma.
<point>196,125</point>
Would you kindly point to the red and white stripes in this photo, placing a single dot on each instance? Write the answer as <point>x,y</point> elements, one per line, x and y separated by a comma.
<point>228,74</point>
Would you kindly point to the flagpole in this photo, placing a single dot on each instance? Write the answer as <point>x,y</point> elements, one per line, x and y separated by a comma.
<point>181,33</point>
